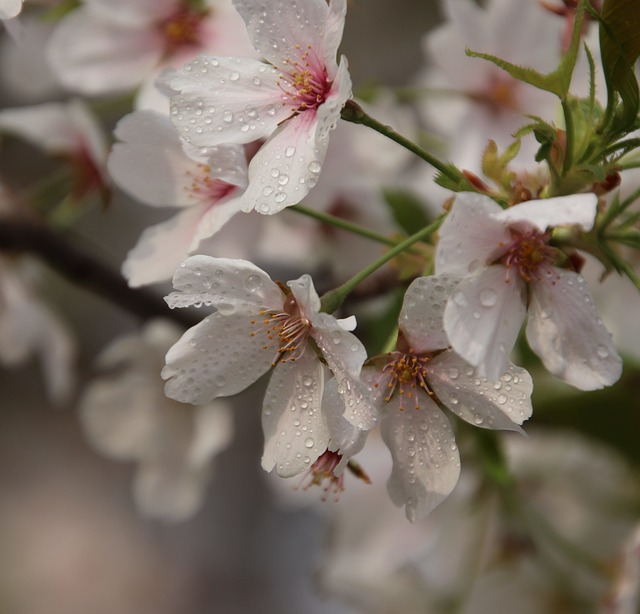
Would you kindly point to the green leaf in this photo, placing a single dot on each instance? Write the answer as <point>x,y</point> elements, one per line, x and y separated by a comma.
<point>620,48</point>
<point>558,81</point>
<point>407,209</point>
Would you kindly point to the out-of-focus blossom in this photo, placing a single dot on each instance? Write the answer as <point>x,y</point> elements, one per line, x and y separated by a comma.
<point>25,55</point>
<point>29,328</point>
<point>405,384</point>
<point>155,166</point>
<point>126,416</point>
<point>293,101</point>
<point>471,100</point>
<point>474,554</point>
<point>107,46</point>
<point>625,596</point>
<point>68,130</point>
<point>510,269</point>
<point>10,8</point>
<point>259,325</point>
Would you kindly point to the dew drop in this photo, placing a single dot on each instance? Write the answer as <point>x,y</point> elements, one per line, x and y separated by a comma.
<point>226,308</point>
<point>280,197</point>
<point>234,76</point>
<point>315,167</point>
<point>502,399</point>
<point>220,381</point>
<point>603,351</point>
<point>252,283</point>
<point>227,117</point>
<point>488,297</point>
<point>289,151</point>
<point>308,442</point>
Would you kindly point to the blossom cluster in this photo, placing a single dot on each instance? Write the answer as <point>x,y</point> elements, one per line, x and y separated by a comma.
<point>447,282</point>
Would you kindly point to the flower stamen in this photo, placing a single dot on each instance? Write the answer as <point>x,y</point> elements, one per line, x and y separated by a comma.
<point>406,373</point>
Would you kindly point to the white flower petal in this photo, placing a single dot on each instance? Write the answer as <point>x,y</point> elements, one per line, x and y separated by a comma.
<point>470,235</point>
<point>329,111</point>
<point>118,414</point>
<point>140,12</point>
<point>306,296</point>
<point>48,126</point>
<point>426,463</point>
<point>226,284</point>
<point>345,355</point>
<point>421,318</point>
<point>226,162</point>
<point>575,209</point>
<point>286,167</point>
<point>169,491</point>
<point>213,432</point>
<point>344,437</point>
<point>499,404</point>
<point>333,33</point>
<point>93,55</point>
<point>279,30</point>
<point>215,217</point>
<point>161,248</point>
<point>564,329</point>
<point>218,357</point>
<point>150,163</point>
<point>295,430</point>
<point>483,317</point>
<point>226,100</point>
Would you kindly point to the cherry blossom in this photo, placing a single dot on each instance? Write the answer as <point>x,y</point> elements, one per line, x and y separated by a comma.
<point>293,101</point>
<point>126,416</point>
<point>409,385</point>
<point>259,325</point>
<point>68,130</point>
<point>509,269</point>
<point>471,100</point>
<point>106,46</point>
<point>155,166</point>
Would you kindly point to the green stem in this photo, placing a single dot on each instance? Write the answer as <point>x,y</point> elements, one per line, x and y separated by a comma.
<point>353,112</point>
<point>334,298</point>
<point>569,137</point>
<point>339,222</point>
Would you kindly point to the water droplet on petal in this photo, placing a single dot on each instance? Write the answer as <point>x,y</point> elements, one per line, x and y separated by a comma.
<point>603,351</point>
<point>252,283</point>
<point>315,167</point>
<point>226,308</point>
<point>308,442</point>
<point>488,297</point>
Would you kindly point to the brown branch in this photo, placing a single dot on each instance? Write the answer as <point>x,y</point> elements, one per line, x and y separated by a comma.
<point>84,270</point>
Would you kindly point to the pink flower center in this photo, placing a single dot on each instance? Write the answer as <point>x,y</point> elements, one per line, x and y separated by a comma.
<point>322,473</point>
<point>406,373</point>
<point>304,81</point>
<point>182,29</point>
<point>499,95</point>
<point>204,187</point>
<point>288,327</point>
<point>529,255</point>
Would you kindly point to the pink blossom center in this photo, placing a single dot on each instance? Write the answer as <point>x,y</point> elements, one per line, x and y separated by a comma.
<point>203,187</point>
<point>322,474</point>
<point>289,328</point>
<point>182,29</point>
<point>405,374</point>
<point>499,95</point>
<point>529,254</point>
<point>304,81</point>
